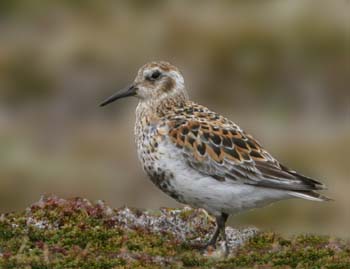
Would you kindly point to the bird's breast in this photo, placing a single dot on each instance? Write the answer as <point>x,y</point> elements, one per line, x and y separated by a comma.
<point>149,137</point>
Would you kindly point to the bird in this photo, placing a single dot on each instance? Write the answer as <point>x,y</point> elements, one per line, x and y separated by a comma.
<point>202,159</point>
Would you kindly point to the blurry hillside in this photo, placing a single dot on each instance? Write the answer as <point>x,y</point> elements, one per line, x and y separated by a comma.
<point>280,69</point>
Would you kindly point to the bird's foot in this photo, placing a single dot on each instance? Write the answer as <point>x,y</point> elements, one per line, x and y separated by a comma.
<point>210,247</point>
<point>204,246</point>
<point>227,250</point>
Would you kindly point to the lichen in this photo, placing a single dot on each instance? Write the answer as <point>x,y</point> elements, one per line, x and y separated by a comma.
<point>75,233</point>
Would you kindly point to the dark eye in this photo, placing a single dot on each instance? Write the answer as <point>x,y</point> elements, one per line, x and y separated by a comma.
<point>155,75</point>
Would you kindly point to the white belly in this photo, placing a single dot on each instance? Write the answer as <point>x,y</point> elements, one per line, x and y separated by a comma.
<point>206,192</point>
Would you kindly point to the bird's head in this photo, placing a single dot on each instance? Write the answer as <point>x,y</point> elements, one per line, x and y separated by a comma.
<point>154,81</point>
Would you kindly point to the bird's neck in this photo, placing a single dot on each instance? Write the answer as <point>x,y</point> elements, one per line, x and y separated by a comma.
<point>155,109</point>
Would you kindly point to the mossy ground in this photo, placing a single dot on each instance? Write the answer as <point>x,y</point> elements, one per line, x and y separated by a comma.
<point>58,233</point>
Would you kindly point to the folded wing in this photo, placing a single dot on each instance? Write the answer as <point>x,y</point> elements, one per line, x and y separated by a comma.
<point>217,147</point>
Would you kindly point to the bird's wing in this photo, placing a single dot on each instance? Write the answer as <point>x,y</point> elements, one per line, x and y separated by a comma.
<point>215,146</point>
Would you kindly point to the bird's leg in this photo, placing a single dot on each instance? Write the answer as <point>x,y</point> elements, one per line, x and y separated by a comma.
<point>214,238</point>
<point>224,218</point>
<point>220,227</point>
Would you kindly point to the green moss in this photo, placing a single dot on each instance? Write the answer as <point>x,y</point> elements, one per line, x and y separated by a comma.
<point>57,233</point>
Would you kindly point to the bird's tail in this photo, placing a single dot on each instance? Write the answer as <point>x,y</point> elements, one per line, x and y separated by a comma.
<point>311,195</point>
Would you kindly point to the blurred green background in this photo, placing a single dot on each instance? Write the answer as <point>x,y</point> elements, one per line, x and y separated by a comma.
<point>280,69</point>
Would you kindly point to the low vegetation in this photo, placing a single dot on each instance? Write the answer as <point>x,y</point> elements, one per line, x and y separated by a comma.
<point>75,233</point>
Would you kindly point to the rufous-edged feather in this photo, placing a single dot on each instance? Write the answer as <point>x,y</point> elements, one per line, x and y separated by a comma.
<point>215,146</point>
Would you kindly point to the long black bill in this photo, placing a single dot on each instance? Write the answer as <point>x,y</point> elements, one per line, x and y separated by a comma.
<point>129,91</point>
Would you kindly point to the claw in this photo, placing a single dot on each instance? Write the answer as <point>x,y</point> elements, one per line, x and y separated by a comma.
<point>220,228</point>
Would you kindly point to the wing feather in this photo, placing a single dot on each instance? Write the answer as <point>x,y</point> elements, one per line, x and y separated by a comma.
<point>215,146</point>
